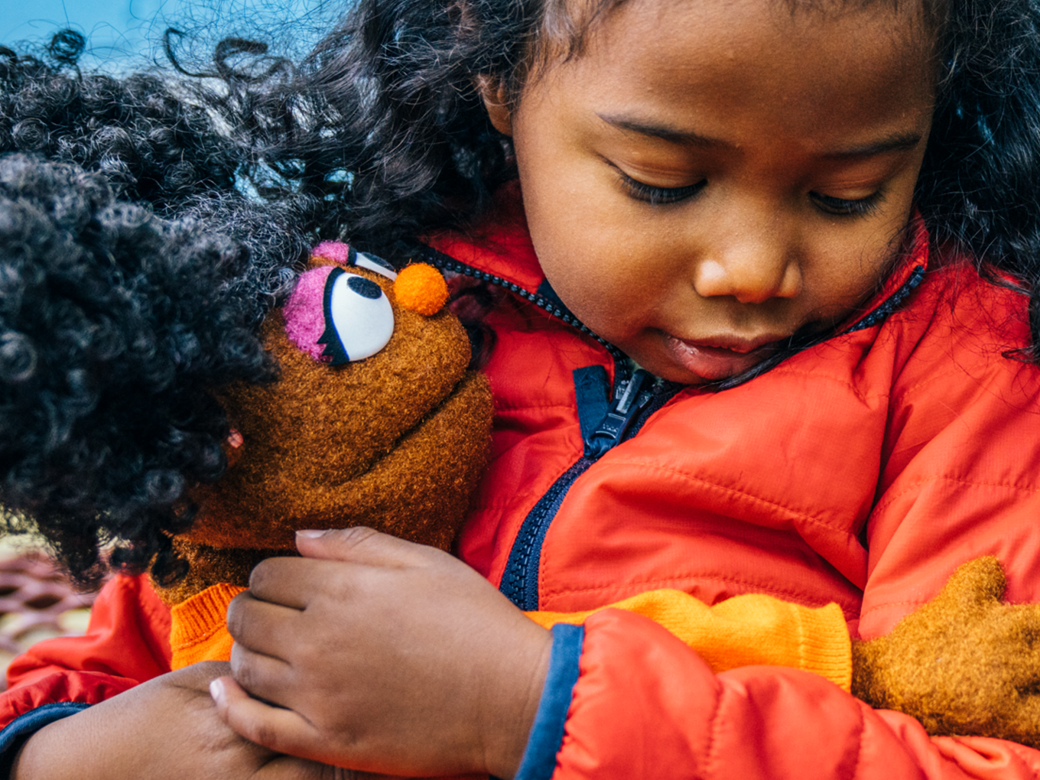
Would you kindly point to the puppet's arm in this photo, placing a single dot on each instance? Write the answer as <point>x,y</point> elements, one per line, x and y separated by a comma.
<point>964,663</point>
<point>748,630</point>
<point>745,630</point>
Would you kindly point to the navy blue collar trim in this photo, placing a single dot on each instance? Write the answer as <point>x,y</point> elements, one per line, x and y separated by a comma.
<point>892,303</point>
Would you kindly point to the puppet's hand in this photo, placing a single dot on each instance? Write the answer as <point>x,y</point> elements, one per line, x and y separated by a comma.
<point>964,663</point>
<point>386,656</point>
<point>164,729</point>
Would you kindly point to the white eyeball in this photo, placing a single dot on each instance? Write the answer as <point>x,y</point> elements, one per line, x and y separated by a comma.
<point>359,320</point>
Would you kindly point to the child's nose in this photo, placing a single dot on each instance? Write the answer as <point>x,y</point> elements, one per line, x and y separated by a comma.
<point>752,262</point>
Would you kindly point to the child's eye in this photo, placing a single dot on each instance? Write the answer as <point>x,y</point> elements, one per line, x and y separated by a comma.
<point>841,207</point>
<point>659,196</point>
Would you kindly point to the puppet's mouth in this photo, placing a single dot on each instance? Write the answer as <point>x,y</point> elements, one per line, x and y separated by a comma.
<point>419,489</point>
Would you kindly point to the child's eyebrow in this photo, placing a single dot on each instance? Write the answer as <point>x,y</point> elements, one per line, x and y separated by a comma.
<point>895,142</point>
<point>664,132</point>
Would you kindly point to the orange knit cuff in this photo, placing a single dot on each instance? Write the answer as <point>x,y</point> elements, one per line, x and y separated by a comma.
<point>747,630</point>
<point>199,626</point>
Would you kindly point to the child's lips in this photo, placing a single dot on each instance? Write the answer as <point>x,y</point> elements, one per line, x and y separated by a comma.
<point>722,356</point>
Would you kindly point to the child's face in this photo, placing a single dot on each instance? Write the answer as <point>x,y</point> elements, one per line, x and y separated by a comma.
<point>709,176</point>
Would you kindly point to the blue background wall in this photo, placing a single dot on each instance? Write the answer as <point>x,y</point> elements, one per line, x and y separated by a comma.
<point>124,30</point>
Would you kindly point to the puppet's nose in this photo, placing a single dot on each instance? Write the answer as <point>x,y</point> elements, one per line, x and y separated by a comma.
<point>421,288</point>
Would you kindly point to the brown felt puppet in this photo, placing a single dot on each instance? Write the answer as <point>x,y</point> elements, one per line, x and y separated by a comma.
<point>376,420</point>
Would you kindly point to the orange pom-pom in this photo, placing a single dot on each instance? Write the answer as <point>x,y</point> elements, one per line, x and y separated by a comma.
<point>421,288</point>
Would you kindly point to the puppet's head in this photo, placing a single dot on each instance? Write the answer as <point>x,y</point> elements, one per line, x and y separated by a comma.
<point>171,395</point>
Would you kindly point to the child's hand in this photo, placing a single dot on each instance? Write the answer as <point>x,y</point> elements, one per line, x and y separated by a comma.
<point>964,663</point>
<point>388,657</point>
<point>164,729</point>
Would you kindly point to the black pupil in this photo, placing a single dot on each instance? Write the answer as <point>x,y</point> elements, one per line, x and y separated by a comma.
<point>366,288</point>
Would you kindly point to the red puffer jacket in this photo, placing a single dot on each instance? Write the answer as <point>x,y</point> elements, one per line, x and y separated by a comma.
<point>862,471</point>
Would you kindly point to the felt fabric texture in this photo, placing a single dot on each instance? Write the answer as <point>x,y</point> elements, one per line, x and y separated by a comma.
<point>395,441</point>
<point>336,251</point>
<point>304,314</point>
<point>421,288</point>
<point>299,473</point>
<point>965,663</point>
<point>210,565</point>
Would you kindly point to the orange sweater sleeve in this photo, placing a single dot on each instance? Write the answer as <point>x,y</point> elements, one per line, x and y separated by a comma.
<point>749,630</point>
<point>198,630</point>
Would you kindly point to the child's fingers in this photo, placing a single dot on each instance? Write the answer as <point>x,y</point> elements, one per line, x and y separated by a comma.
<point>279,730</point>
<point>361,545</point>
<point>264,677</point>
<point>287,581</point>
<point>262,626</point>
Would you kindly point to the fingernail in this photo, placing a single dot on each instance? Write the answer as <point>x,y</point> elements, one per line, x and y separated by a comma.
<point>312,533</point>
<point>216,690</point>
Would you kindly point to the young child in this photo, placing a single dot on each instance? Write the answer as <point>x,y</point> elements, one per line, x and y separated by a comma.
<point>766,328</point>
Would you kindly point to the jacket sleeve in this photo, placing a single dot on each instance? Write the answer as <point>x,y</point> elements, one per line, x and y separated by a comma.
<point>127,642</point>
<point>625,699</point>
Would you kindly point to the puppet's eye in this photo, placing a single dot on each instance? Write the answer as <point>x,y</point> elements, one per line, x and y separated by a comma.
<point>358,318</point>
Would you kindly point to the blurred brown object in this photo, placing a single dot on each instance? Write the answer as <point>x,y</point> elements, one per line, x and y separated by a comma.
<point>36,602</point>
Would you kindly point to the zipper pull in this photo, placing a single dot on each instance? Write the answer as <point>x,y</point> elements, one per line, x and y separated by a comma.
<point>628,402</point>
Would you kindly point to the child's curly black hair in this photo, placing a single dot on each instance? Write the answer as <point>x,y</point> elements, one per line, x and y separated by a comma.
<point>378,137</point>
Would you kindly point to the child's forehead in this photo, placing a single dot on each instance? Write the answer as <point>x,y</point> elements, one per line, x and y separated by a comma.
<point>737,51</point>
<point>571,27</point>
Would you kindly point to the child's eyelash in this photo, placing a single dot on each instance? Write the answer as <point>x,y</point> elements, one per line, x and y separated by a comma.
<point>861,207</point>
<point>659,196</point>
<point>662,196</point>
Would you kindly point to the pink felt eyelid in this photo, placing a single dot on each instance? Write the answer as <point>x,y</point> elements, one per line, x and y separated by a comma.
<point>304,311</point>
<point>336,251</point>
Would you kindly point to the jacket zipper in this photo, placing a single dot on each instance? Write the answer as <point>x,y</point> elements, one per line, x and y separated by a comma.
<point>632,405</point>
<point>446,263</point>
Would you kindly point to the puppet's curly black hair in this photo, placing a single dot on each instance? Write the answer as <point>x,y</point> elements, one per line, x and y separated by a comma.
<point>116,327</point>
<point>153,143</point>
